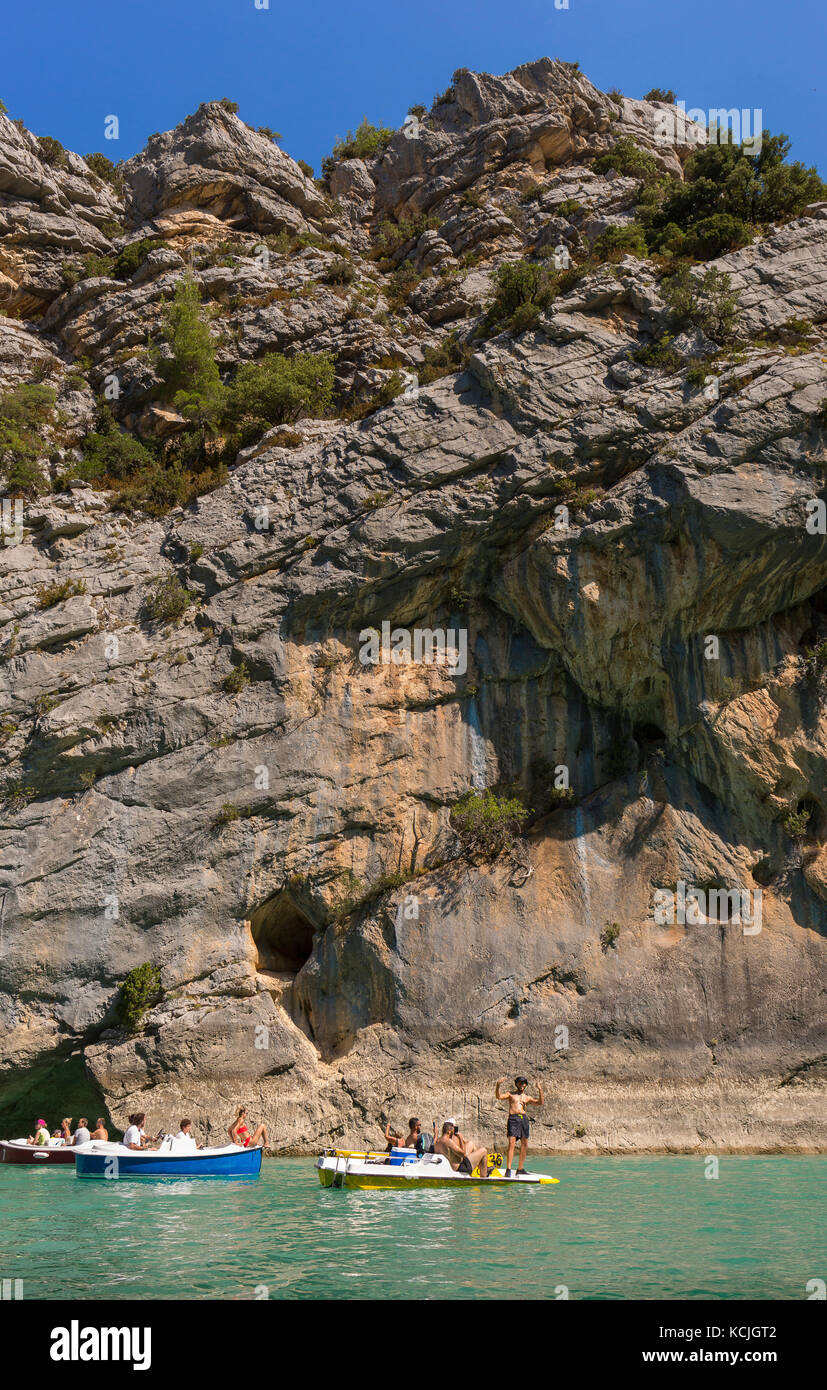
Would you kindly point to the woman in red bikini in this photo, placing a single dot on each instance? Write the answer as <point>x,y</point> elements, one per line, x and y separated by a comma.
<point>240,1134</point>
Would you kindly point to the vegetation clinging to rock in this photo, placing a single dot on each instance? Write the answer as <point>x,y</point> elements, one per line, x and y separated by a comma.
<point>728,190</point>
<point>24,411</point>
<point>167,601</point>
<point>363,143</point>
<point>277,390</point>
<point>486,823</point>
<point>139,991</point>
<point>189,371</point>
<point>703,299</point>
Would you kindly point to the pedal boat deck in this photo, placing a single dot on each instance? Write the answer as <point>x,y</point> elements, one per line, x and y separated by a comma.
<point>403,1169</point>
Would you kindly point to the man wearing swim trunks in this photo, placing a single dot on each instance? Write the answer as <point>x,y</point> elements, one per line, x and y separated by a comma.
<point>518,1122</point>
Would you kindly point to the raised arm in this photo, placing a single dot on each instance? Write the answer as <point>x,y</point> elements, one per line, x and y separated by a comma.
<point>497,1094</point>
<point>530,1100</point>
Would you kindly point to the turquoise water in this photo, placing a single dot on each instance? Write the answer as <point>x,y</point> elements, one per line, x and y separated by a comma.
<point>614,1228</point>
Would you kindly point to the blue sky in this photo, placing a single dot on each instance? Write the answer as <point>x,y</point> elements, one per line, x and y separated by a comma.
<point>313,70</point>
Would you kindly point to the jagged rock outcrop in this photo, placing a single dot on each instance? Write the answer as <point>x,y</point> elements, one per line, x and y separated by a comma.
<point>47,212</point>
<point>231,793</point>
<point>215,163</point>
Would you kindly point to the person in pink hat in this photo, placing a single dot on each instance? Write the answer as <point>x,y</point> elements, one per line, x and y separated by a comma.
<point>41,1134</point>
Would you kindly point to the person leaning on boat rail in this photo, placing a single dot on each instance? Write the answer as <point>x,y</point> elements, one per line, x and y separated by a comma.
<point>240,1134</point>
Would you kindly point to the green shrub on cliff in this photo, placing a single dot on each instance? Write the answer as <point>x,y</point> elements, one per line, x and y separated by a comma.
<point>522,290</point>
<point>52,152</point>
<point>190,374</point>
<point>140,991</point>
<point>705,300</point>
<point>50,594</point>
<point>15,794</point>
<point>367,141</point>
<point>660,354</point>
<point>815,663</point>
<point>627,158</point>
<point>487,823</point>
<point>109,453</point>
<point>616,242</point>
<point>728,190</point>
<point>103,168</point>
<point>167,601</point>
<point>238,678</point>
<point>24,411</point>
<point>444,358</point>
<point>393,235</point>
<point>133,255</point>
<point>796,823</point>
<point>276,390</point>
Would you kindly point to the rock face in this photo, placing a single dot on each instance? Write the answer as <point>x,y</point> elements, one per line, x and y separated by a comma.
<point>216,163</point>
<point>632,569</point>
<point>47,212</point>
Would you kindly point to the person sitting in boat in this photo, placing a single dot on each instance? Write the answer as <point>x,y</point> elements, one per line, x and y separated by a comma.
<point>185,1135</point>
<point>41,1134</point>
<point>423,1143</point>
<point>135,1137</point>
<point>476,1155</point>
<point>240,1134</point>
<point>461,1158</point>
<point>81,1134</point>
<point>100,1131</point>
<point>392,1139</point>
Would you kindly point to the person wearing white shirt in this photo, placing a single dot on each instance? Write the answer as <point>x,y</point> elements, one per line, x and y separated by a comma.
<point>184,1135</point>
<point>81,1134</point>
<point>135,1137</point>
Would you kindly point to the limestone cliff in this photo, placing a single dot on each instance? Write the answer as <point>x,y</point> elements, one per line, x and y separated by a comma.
<point>631,548</point>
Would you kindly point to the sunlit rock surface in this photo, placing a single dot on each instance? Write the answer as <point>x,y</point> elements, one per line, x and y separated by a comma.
<point>283,850</point>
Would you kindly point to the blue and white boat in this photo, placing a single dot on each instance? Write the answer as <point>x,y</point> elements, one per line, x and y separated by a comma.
<point>173,1159</point>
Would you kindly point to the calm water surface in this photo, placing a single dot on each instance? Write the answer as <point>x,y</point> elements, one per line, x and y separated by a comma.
<point>614,1228</point>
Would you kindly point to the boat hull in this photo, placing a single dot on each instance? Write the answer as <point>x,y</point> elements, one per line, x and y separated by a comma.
<point>341,1168</point>
<point>117,1162</point>
<point>35,1156</point>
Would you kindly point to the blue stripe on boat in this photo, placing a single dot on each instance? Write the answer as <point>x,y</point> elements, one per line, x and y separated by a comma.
<point>245,1164</point>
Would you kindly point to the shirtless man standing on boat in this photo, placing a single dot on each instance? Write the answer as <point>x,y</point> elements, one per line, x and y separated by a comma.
<point>518,1121</point>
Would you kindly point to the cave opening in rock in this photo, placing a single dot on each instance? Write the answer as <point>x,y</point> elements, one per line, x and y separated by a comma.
<point>282,933</point>
<point>719,902</point>
<point>648,733</point>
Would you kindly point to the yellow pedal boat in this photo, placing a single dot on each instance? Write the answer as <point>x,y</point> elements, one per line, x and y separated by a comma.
<point>403,1169</point>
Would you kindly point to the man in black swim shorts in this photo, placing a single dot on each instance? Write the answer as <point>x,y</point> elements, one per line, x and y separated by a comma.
<point>518,1121</point>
